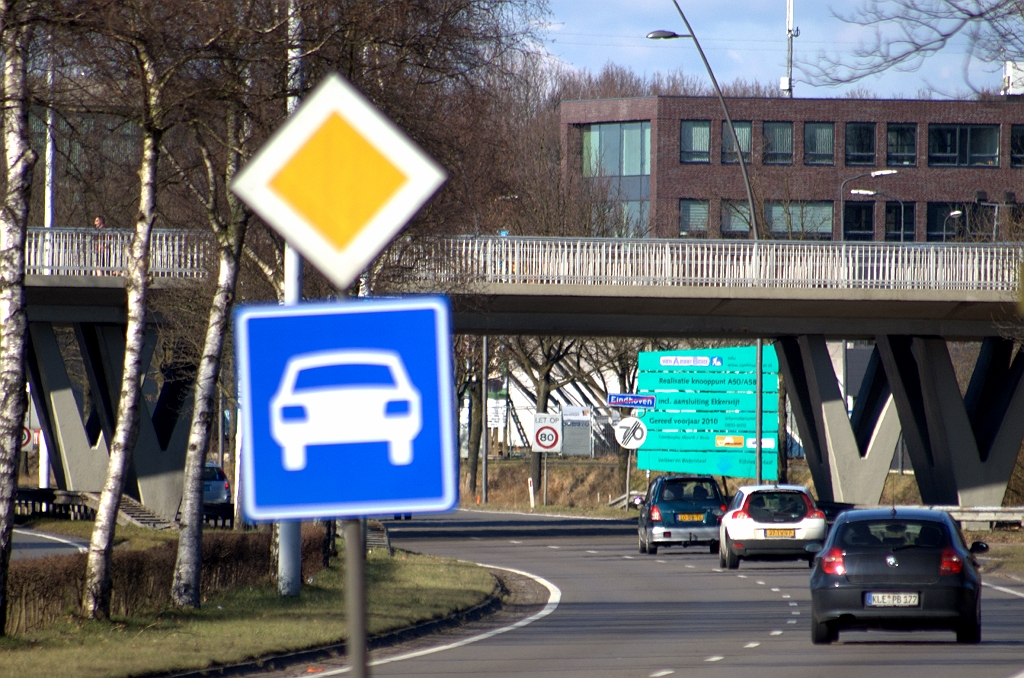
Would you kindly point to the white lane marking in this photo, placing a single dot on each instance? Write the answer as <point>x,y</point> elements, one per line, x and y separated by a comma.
<point>775,590</point>
<point>628,557</point>
<point>785,595</point>
<point>750,645</point>
<point>554,597</point>
<point>474,538</point>
<point>742,576</point>
<point>33,533</point>
<point>715,569</point>
<point>554,547</point>
<point>690,567</point>
<point>716,658</point>
<point>1018,675</point>
<point>791,621</point>
<point>775,633</point>
<point>795,613</point>
<point>760,583</point>
<point>595,552</point>
<point>536,515</point>
<point>661,561</point>
<point>792,604</point>
<point>663,672</point>
<point>1005,590</point>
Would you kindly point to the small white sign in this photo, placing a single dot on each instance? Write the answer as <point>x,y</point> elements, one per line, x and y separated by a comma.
<point>547,432</point>
<point>630,433</point>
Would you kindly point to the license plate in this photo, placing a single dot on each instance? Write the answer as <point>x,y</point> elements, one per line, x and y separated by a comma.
<point>891,599</point>
<point>780,533</point>
<point>690,517</point>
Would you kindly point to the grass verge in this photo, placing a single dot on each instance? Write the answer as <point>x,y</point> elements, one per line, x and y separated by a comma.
<point>242,625</point>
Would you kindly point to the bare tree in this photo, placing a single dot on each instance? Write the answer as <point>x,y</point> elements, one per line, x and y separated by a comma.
<point>19,158</point>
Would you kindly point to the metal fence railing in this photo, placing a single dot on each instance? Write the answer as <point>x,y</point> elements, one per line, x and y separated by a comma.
<point>451,262</point>
<point>97,252</point>
<point>458,261</point>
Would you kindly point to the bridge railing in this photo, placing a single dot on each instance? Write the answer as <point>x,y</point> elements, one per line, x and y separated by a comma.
<point>720,263</point>
<point>98,252</point>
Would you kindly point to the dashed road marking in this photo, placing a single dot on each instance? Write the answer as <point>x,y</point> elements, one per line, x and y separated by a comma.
<point>715,569</point>
<point>553,547</point>
<point>690,566</point>
<point>515,541</point>
<point>791,621</point>
<point>795,613</point>
<point>628,557</point>
<point>595,552</point>
<point>716,658</point>
<point>742,576</point>
<point>760,583</point>
<point>661,561</point>
<point>663,672</point>
<point>750,645</point>
<point>786,595</point>
<point>775,590</point>
<point>793,604</point>
<point>775,633</point>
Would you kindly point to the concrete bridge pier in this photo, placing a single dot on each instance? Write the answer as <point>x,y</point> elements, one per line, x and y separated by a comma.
<point>79,445</point>
<point>963,449</point>
<point>849,457</point>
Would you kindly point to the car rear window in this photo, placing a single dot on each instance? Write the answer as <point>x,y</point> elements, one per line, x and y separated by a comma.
<point>688,490</point>
<point>778,505</point>
<point>887,534</point>
<point>344,375</point>
<point>213,473</point>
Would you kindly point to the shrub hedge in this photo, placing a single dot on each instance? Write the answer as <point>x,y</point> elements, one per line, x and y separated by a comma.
<point>42,591</point>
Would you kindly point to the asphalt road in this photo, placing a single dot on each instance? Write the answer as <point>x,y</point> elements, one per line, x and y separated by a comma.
<point>624,614</point>
<point>35,544</point>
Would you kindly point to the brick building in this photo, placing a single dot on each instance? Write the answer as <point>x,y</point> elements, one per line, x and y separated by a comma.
<point>672,165</point>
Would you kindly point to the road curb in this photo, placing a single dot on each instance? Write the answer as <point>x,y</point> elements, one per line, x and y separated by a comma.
<point>488,606</point>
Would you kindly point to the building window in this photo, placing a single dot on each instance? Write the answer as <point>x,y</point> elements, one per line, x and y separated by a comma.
<point>901,145</point>
<point>974,223</point>
<point>859,221</point>
<point>735,219</point>
<point>618,157</point>
<point>818,143</point>
<point>799,220</point>
<point>1017,146</point>
<point>894,213</point>
<point>728,150</point>
<point>693,218</point>
<point>778,143</point>
<point>860,143</point>
<point>963,145</point>
<point>695,141</point>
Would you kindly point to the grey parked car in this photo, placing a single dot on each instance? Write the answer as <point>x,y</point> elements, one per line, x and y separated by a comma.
<point>216,487</point>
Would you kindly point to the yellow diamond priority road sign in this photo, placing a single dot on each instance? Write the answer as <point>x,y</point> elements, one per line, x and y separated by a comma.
<point>338,181</point>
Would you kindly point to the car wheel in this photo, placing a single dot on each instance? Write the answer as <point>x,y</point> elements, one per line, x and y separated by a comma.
<point>823,633</point>
<point>643,545</point>
<point>652,549</point>
<point>732,561</point>
<point>969,632</point>
<point>810,563</point>
<point>713,546</point>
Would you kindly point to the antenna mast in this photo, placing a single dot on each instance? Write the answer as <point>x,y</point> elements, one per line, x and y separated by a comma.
<point>791,32</point>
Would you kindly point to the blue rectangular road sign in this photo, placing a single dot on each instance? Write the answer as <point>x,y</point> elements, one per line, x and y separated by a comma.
<point>632,400</point>
<point>348,409</point>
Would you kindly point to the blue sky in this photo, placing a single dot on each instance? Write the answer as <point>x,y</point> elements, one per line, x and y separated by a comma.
<point>742,39</point>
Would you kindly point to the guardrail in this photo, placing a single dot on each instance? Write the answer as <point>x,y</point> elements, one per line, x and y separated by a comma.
<point>717,263</point>
<point>458,260</point>
<point>99,252</point>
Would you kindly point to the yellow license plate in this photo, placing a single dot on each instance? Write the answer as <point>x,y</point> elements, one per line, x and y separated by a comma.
<point>780,533</point>
<point>690,517</point>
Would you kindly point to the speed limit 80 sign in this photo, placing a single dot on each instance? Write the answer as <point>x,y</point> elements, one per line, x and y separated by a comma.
<point>547,432</point>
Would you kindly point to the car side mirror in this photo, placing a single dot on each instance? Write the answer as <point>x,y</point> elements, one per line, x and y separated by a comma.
<point>812,547</point>
<point>979,547</point>
<point>636,502</point>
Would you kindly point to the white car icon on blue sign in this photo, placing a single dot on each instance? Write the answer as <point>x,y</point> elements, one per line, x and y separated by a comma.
<point>345,396</point>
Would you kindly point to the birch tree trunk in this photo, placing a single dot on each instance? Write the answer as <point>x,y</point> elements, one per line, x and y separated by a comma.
<point>96,597</point>
<point>188,565</point>
<point>13,214</point>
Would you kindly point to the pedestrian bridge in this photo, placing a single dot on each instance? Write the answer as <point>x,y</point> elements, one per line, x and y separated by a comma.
<point>614,287</point>
<point>908,298</point>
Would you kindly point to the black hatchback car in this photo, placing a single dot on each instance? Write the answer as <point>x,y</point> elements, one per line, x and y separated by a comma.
<point>896,569</point>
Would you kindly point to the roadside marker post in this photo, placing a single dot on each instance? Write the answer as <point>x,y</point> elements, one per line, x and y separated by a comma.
<point>338,181</point>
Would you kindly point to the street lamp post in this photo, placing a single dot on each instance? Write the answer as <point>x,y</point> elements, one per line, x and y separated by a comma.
<point>842,195</point>
<point>865,191</point>
<point>758,399</point>
<point>945,222</point>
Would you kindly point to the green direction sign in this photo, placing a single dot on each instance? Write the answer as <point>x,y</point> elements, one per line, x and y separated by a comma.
<point>705,382</point>
<point>706,421</point>
<point>736,359</point>
<point>689,401</point>
<point>714,463</point>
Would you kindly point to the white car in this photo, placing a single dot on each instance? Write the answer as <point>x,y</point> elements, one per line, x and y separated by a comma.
<point>345,396</point>
<point>770,522</point>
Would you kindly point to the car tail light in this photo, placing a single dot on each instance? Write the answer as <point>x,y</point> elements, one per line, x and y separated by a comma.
<point>722,508</point>
<point>833,563</point>
<point>227,486</point>
<point>951,563</point>
<point>741,515</point>
<point>655,514</point>
<point>812,512</point>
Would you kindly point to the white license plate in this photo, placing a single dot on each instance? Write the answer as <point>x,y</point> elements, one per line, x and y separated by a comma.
<point>891,599</point>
